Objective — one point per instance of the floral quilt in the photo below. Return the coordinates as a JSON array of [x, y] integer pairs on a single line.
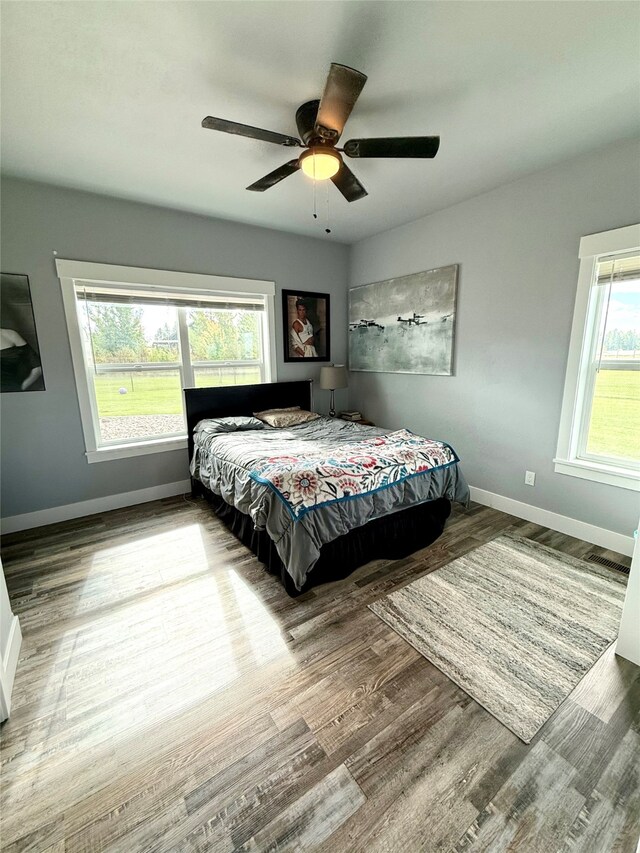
[[314, 479]]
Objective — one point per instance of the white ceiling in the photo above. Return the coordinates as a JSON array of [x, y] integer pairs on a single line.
[[109, 96]]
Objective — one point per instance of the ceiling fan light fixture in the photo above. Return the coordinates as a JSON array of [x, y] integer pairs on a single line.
[[320, 163]]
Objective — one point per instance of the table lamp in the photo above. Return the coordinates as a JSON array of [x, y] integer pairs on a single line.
[[331, 378]]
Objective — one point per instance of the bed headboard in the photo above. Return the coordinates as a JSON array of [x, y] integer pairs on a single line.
[[229, 400]]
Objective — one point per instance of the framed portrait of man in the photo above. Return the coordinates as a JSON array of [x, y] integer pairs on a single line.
[[306, 321]]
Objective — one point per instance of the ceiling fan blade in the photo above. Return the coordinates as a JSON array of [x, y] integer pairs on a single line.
[[275, 177], [348, 184], [234, 127], [341, 91], [397, 146]]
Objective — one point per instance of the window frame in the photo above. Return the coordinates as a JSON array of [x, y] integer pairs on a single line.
[[579, 384], [108, 275]]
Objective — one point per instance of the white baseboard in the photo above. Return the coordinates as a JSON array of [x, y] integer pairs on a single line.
[[8, 667], [91, 507], [562, 523]]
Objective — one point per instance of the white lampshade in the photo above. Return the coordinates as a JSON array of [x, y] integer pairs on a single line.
[[332, 377]]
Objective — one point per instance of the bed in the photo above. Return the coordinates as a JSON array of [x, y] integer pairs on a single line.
[[307, 539]]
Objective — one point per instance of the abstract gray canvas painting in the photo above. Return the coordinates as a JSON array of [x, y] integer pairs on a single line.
[[405, 324]]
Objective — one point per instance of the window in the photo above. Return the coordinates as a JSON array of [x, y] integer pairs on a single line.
[[138, 337], [600, 425]]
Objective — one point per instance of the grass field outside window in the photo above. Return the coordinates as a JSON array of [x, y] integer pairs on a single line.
[[146, 393], [615, 417], [141, 404]]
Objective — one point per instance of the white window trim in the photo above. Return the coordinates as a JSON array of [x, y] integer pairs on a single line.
[[566, 461], [69, 272]]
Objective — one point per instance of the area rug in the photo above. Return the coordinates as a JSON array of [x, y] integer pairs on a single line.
[[514, 623]]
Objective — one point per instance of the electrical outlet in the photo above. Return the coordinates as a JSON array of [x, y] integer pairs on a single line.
[[530, 478]]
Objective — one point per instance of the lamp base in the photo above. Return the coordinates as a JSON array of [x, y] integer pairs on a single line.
[[332, 406]]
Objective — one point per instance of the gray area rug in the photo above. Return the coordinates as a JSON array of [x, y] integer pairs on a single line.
[[514, 623]]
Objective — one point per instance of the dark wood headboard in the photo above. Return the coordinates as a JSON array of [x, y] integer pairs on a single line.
[[223, 402]]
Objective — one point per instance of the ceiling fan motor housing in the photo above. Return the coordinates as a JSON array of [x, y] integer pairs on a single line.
[[306, 115]]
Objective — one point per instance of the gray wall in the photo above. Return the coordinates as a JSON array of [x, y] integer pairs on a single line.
[[43, 462], [517, 247]]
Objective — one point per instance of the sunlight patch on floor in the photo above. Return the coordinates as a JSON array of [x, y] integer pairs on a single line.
[[173, 627]]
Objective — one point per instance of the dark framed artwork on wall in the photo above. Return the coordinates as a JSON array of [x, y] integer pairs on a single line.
[[306, 321], [20, 365]]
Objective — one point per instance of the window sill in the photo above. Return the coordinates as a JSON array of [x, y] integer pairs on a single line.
[[139, 448], [625, 478]]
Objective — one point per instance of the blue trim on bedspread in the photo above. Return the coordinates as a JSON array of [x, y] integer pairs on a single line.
[[353, 465]]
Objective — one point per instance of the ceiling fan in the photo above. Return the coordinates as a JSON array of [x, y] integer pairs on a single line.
[[320, 125]]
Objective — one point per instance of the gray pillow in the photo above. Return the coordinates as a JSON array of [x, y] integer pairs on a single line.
[[236, 423]]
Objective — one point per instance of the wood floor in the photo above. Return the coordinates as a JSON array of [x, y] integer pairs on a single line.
[[171, 697]]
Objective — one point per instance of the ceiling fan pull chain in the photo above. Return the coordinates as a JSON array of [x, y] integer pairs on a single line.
[[315, 206], [326, 189]]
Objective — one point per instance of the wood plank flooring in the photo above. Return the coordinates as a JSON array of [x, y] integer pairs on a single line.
[[171, 697]]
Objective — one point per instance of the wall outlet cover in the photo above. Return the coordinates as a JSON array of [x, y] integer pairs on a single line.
[[530, 478]]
